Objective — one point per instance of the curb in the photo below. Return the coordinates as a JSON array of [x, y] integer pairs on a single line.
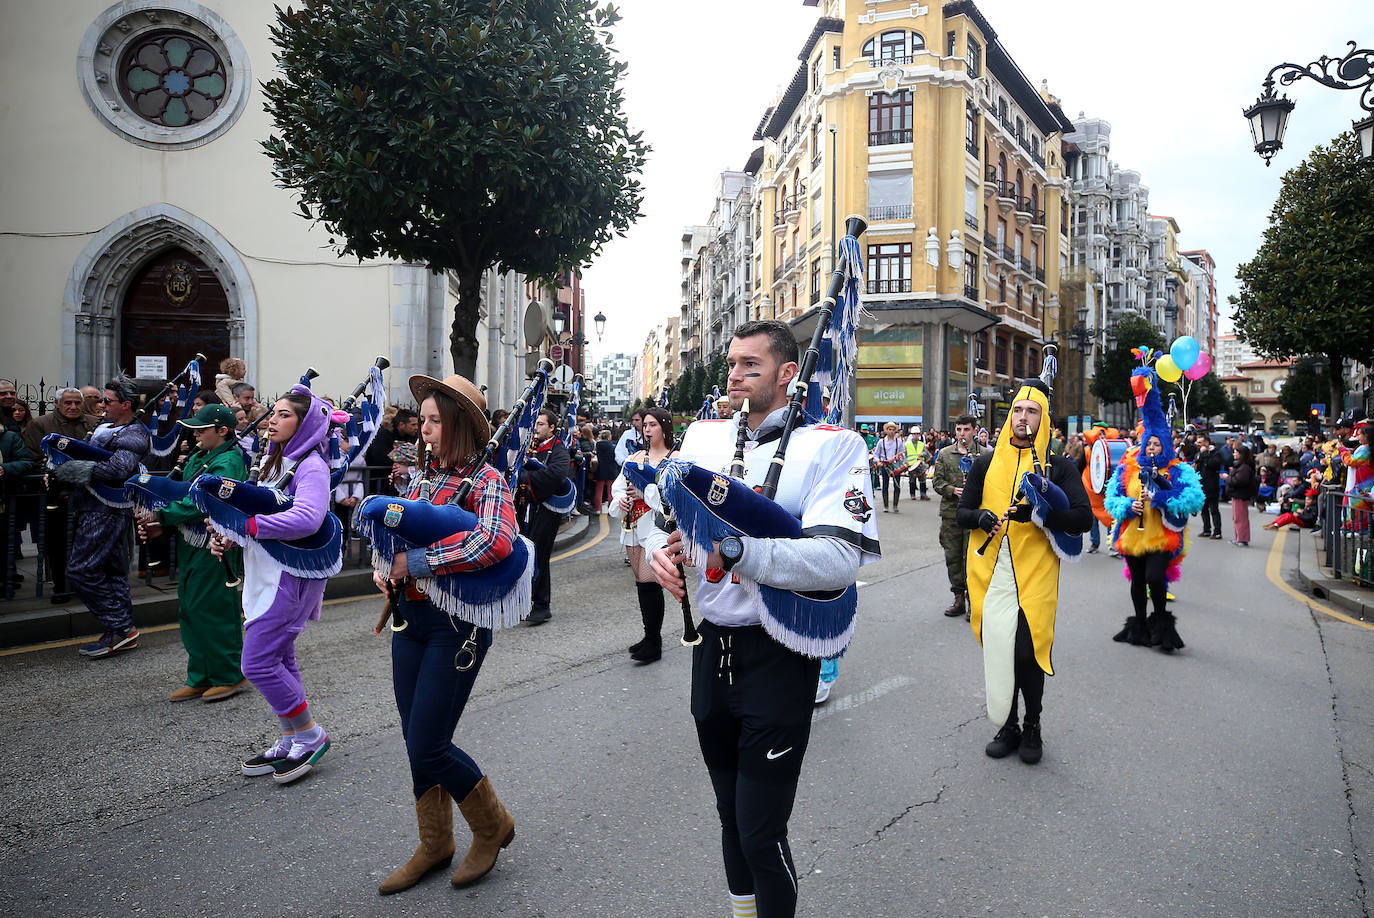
[[38, 626], [1317, 582]]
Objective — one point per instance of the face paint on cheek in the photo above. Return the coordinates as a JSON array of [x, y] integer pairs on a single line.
[[753, 375]]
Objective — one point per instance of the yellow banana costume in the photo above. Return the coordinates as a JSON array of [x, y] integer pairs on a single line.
[[1018, 573]]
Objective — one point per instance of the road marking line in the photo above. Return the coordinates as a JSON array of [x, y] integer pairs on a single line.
[[604, 531], [1271, 570], [849, 702], [55, 645]]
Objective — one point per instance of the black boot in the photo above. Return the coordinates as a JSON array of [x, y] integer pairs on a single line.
[[1164, 633], [1135, 631], [650, 648], [1006, 741], [1031, 747], [957, 607]]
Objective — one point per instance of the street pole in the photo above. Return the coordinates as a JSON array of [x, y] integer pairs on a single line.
[[834, 193]]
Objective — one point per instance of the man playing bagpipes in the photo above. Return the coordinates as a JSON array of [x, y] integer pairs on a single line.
[[1033, 517], [543, 478], [754, 673], [208, 609], [98, 569], [889, 458]]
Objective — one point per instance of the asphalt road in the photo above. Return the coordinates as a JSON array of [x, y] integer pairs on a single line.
[[1231, 779]]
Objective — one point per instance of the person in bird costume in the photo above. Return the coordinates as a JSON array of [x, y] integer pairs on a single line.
[[1151, 495], [1034, 516]]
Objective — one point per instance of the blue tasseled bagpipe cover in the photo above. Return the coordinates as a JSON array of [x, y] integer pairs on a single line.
[[60, 448], [709, 506], [153, 492], [491, 597], [229, 504]]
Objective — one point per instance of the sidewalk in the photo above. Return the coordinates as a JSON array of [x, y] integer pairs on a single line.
[[27, 619], [1318, 582]]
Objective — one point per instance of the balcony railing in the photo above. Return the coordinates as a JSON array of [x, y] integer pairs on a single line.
[[889, 212], [990, 174], [890, 286], [971, 292], [1024, 264], [884, 138], [990, 243], [971, 222], [777, 272], [1040, 274], [1007, 190], [1038, 217], [971, 145], [875, 62]]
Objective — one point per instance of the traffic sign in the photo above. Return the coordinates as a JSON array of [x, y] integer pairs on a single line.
[[556, 353], [1319, 407]]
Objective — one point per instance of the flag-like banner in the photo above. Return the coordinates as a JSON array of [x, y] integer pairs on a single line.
[[839, 348], [370, 412], [510, 459], [165, 444], [570, 420]]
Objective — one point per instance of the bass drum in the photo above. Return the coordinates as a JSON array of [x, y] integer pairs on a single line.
[[1106, 455]]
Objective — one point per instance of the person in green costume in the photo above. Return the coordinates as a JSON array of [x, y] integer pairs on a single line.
[[210, 612]]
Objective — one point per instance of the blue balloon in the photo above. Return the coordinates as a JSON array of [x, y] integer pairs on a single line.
[[1184, 350]]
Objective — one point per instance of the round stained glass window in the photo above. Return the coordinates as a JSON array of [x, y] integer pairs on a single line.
[[172, 78]]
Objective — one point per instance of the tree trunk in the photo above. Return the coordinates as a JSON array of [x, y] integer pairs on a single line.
[[463, 344], [1336, 367]]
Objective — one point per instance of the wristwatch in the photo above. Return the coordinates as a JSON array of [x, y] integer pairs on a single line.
[[731, 550]]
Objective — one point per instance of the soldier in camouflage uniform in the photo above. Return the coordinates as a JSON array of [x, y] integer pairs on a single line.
[[951, 466]]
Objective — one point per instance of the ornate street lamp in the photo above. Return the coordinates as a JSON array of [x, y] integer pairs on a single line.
[[1269, 115], [599, 320], [560, 322]]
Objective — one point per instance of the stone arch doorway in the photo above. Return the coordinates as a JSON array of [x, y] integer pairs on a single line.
[[174, 307], [105, 275]]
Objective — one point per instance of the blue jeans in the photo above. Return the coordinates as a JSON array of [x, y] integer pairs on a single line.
[[1095, 535], [431, 693]]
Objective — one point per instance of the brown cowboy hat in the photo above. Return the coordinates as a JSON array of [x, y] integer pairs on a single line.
[[469, 398]]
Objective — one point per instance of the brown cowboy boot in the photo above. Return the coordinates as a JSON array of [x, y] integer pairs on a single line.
[[434, 815], [492, 829]]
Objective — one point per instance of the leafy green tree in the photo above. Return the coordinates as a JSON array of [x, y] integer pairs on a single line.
[[1310, 287], [1307, 385], [457, 134], [1112, 374], [718, 373], [1239, 411]]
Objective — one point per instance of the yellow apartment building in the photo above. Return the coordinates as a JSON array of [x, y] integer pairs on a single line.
[[916, 117]]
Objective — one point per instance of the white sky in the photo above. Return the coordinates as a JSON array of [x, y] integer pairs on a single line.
[[1171, 78]]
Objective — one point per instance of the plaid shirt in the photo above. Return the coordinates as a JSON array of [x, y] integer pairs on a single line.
[[489, 543]]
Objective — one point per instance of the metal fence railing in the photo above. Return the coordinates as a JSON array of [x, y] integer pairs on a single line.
[[1345, 520]]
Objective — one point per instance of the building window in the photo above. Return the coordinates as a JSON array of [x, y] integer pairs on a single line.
[[889, 118], [1018, 361], [889, 268], [980, 351], [971, 127], [1002, 289], [949, 44], [889, 195], [164, 88], [1000, 356], [816, 75], [974, 58], [971, 275], [835, 57], [816, 281]]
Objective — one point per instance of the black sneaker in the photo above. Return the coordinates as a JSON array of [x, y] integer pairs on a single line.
[[298, 764], [1031, 747], [1005, 742], [110, 642], [539, 616], [264, 763]]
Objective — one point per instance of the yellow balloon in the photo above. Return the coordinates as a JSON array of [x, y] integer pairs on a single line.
[[1167, 369]]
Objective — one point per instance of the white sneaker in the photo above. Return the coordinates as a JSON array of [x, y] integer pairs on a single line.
[[822, 691]]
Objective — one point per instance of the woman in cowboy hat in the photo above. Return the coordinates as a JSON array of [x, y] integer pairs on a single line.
[[436, 658]]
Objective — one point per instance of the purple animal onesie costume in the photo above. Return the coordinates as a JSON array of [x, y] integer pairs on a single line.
[[277, 604]]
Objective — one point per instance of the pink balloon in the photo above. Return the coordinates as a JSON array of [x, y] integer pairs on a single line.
[[1200, 368]]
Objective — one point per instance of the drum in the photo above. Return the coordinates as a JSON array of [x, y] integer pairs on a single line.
[[1106, 455]]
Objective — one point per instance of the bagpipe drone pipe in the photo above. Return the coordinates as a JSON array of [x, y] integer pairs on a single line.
[[59, 449], [229, 504], [707, 506], [154, 492]]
